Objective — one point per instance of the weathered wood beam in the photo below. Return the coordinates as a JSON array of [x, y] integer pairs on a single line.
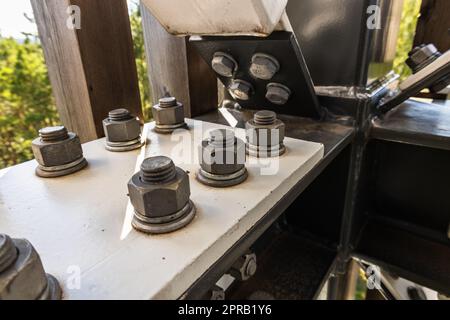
[[434, 24], [92, 69], [175, 68]]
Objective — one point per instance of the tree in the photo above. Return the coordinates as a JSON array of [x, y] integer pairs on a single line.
[[26, 101]]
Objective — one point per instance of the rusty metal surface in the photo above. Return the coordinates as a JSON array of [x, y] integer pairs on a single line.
[[329, 133], [418, 123]]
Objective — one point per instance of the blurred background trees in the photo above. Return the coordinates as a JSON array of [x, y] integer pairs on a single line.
[[27, 103]]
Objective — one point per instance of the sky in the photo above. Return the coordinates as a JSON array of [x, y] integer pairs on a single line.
[[13, 22]]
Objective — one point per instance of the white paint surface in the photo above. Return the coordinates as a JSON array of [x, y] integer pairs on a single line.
[[82, 220], [218, 17]]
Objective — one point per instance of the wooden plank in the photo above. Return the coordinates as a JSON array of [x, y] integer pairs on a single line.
[[92, 69], [434, 24], [65, 67], [175, 68]]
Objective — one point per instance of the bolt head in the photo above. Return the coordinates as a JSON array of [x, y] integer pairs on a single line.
[[223, 64], [26, 278], [264, 67], [160, 199], [50, 154], [222, 160], [168, 115], [245, 267], [241, 90], [121, 131], [278, 94]]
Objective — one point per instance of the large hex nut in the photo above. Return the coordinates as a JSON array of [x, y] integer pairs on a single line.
[[50, 154], [266, 136], [26, 278], [122, 131], [168, 115], [222, 160], [161, 199]]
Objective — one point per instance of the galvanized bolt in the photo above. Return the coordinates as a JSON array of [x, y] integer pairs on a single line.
[[58, 152], [168, 115], [119, 115], [264, 66], [168, 102], [122, 131], [241, 90], [265, 118], [22, 276], [53, 134], [157, 169], [160, 194], [265, 135], [224, 64], [222, 160], [244, 268], [278, 94]]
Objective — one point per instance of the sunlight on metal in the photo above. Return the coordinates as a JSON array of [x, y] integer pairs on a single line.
[[231, 120], [129, 213]]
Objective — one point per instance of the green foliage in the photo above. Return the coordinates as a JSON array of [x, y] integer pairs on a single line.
[[410, 15], [26, 101], [141, 62]]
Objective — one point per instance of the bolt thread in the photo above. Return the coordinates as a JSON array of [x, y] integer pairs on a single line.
[[119, 115], [52, 134], [222, 138], [168, 102], [157, 169], [265, 118], [8, 252]]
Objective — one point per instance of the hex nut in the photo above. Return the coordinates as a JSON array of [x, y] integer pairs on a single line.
[[57, 153], [170, 114], [278, 94], [224, 64], [265, 135], [422, 56], [245, 267], [160, 199], [241, 90], [222, 160], [264, 66], [26, 279], [122, 130]]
